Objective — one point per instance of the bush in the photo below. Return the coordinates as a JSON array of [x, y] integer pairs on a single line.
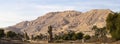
[[39, 37], [87, 37], [79, 35], [57, 37], [71, 35], [65, 37], [2, 34], [11, 34]]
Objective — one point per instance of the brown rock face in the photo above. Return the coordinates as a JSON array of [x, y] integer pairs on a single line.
[[63, 21]]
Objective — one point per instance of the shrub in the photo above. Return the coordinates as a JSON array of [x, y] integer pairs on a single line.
[[79, 35], [11, 34], [39, 37], [87, 37], [71, 35]]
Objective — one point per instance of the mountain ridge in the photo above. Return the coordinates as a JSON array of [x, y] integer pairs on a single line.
[[63, 21]]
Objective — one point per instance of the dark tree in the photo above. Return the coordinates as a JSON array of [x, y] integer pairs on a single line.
[[2, 34], [50, 33], [87, 37], [11, 34], [79, 35], [113, 25], [39, 37], [71, 35], [99, 32]]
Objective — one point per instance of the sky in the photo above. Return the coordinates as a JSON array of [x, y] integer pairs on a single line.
[[15, 11]]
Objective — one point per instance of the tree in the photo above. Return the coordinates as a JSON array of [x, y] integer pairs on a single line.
[[103, 32], [2, 34], [69, 36], [79, 35], [113, 25], [95, 28], [11, 34], [65, 37], [38, 37], [99, 32], [19, 36], [87, 37], [57, 37], [50, 33]]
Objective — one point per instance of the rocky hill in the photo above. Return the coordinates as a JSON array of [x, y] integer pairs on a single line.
[[64, 21]]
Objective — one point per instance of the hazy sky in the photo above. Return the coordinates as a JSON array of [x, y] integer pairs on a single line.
[[14, 11]]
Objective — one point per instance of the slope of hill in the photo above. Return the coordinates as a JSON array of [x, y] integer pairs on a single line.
[[64, 21]]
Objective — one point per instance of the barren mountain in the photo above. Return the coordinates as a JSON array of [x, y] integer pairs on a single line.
[[64, 21]]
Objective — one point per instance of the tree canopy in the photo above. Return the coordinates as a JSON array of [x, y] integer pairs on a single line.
[[113, 25], [11, 34], [2, 34]]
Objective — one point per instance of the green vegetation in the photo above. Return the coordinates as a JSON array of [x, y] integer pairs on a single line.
[[79, 35], [87, 37], [39, 37], [71, 35], [50, 33], [11, 34], [113, 25], [56, 37], [2, 34], [99, 32]]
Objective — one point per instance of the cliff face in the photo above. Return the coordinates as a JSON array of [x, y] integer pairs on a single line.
[[64, 21]]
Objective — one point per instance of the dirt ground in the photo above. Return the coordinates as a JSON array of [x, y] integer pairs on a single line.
[[45, 42]]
